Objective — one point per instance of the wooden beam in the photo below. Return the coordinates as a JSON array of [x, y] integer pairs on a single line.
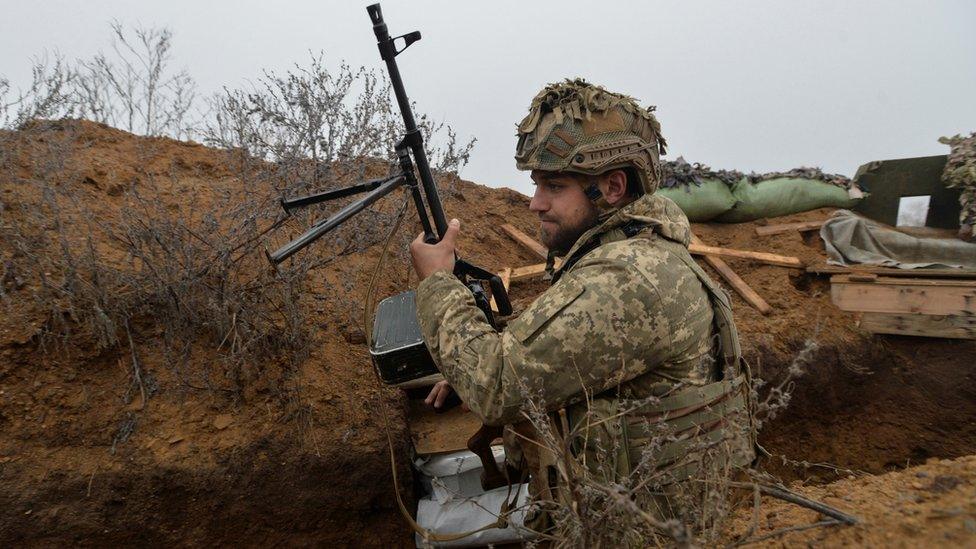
[[904, 296], [886, 271], [531, 271], [526, 240], [904, 281], [789, 227], [734, 280], [948, 326], [762, 257]]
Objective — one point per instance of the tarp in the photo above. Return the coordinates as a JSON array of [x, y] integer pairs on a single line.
[[455, 475], [466, 514], [852, 240]]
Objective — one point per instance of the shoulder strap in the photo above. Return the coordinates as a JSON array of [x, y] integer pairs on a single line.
[[722, 308]]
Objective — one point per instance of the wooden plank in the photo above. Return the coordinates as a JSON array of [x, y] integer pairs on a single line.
[[762, 257], [948, 326], [904, 296], [902, 281], [531, 271], [506, 276], [734, 280], [789, 227], [886, 271], [526, 240]]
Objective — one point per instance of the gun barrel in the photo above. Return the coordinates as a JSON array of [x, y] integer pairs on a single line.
[[414, 139]]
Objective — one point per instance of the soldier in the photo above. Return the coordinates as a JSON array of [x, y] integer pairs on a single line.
[[960, 173], [631, 332]]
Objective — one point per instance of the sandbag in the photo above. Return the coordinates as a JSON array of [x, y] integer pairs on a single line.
[[782, 196], [701, 202]]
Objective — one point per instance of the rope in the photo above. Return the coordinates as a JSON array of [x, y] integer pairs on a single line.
[[370, 301]]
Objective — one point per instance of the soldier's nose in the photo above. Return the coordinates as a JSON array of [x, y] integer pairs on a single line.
[[538, 204]]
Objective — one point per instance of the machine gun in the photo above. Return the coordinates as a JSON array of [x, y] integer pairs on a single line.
[[397, 349]]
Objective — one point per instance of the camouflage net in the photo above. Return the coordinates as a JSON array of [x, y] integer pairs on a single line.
[[815, 174], [583, 128], [960, 170], [960, 173], [681, 172]]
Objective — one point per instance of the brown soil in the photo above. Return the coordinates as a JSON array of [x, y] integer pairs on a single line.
[[867, 403], [930, 505], [204, 466]]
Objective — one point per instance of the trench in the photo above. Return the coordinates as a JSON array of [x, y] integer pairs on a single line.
[[874, 405], [867, 404]]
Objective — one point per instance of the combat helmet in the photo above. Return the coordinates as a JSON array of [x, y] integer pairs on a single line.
[[579, 127]]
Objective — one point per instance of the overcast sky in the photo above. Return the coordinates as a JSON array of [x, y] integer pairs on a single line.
[[751, 85]]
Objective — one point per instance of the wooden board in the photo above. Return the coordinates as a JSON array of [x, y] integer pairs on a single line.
[[522, 273], [531, 271], [762, 257], [789, 227], [734, 280], [948, 326], [433, 433], [905, 281], [904, 296], [886, 271], [526, 241]]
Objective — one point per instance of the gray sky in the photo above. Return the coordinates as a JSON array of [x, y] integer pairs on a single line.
[[751, 85]]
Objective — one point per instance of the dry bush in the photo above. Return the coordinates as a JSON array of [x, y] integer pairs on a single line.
[[49, 94], [197, 275], [133, 89], [188, 277], [313, 129], [323, 127]]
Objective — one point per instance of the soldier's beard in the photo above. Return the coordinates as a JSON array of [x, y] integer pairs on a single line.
[[560, 235]]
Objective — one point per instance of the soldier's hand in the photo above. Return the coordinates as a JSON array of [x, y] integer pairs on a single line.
[[430, 258], [438, 394]]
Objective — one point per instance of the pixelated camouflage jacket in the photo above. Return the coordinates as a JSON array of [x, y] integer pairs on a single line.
[[627, 315]]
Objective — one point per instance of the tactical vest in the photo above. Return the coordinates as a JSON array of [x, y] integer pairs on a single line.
[[676, 428]]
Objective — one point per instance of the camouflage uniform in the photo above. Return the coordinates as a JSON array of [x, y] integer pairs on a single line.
[[633, 341], [628, 314], [960, 173], [626, 320]]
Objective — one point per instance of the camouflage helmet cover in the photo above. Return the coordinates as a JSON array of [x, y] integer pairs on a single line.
[[579, 127]]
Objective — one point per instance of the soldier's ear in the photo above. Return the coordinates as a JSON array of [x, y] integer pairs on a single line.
[[614, 186]]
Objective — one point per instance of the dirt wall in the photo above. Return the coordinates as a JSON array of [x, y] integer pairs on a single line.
[[270, 453]]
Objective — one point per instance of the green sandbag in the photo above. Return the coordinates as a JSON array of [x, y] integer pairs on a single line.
[[783, 196], [701, 202]]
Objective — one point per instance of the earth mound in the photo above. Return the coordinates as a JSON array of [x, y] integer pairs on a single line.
[[133, 443]]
